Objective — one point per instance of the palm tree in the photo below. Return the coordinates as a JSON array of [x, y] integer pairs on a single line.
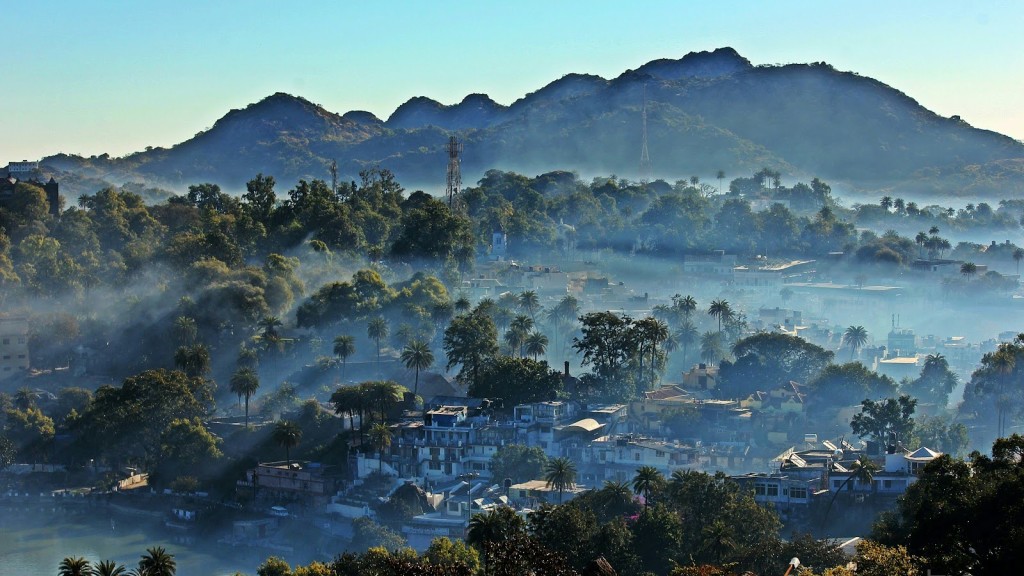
[[344, 346], [287, 435], [185, 330], [269, 325], [530, 302], [377, 330], [560, 474], [687, 305], [503, 317], [1003, 361], [245, 382], [157, 562], [462, 305], [417, 355], [1018, 255], [968, 269], [536, 344], [855, 337], [515, 339], [721, 310], [886, 203], [694, 180], [687, 336], [646, 481], [74, 566], [108, 568], [380, 438], [711, 347], [920, 240], [862, 471], [519, 330]]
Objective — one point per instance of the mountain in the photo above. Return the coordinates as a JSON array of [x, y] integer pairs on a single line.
[[706, 111]]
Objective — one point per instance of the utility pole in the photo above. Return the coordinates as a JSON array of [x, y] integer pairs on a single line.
[[646, 171]]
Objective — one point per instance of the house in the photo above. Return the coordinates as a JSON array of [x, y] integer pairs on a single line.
[[788, 495], [547, 280], [714, 263], [533, 493], [899, 470], [771, 276], [13, 346], [617, 457], [291, 481], [701, 377]]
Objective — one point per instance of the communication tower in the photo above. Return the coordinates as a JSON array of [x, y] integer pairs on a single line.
[[454, 171], [646, 171], [334, 176]]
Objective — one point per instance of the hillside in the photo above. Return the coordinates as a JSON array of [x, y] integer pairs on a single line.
[[707, 111]]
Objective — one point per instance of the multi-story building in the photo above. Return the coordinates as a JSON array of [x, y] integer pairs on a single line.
[[14, 358], [306, 482]]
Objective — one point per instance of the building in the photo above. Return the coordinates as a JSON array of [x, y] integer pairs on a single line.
[[22, 169], [307, 482], [14, 358], [902, 342], [715, 263], [772, 276]]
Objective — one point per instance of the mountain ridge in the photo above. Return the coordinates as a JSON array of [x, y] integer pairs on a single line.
[[707, 111]]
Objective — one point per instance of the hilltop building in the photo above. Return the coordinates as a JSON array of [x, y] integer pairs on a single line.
[[26, 172], [14, 358]]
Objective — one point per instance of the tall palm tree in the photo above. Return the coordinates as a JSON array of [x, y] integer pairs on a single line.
[[462, 305], [721, 310], [1003, 361], [380, 438], [377, 330], [536, 344], [968, 270], [1018, 255], [109, 568], [514, 339], [519, 330], [157, 562], [711, 347], [269, 326], [855, 337], [344, 347], [503, 317], [886, 203], [646, 481], [862, 471], [417, 355], [560, 474], [530, 302], [687, 305], [74, 566], [185, 330], [245, 382], [287, 435], [687, 336]]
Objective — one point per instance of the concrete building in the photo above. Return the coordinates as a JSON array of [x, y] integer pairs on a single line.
[[14, 358], [715, 263]]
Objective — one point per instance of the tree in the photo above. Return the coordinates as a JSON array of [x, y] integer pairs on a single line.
[[886, 421], [497, 525], [517, 381], [767, 360], [530, 303], [968, 270], [287, 435], [935, 382], [157, 562], [377, 330], [469, 341], [560, 474], [344, 347], [721, 176], [108, 568], [193, 360], [380, 438], [1018, 255], [536, 344], [452, 555], [185, 330], [963, 517], [245, 383], [711, 348], [8, 452], [647, 482], [74, 566], [720, 310], [518, 462], [855, 337], [861, 472], [417, 355]]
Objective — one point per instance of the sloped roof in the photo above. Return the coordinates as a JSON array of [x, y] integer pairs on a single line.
[[585, 425], [923, 453]]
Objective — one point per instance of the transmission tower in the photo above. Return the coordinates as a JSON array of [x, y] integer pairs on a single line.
[[334, 176], [454, 172], [646, 171]]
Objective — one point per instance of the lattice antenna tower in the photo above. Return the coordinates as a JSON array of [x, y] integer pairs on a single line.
[[334, 176], [646, 171], [454, 170]]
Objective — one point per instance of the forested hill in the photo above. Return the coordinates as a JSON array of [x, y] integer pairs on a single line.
[[707, 111]]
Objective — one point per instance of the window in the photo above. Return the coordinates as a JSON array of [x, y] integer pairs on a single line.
[[435, 465], [798, 493], [21, 340], [759, 489], [659, 454], [887, 484], [773, 489], [636, 456], [7, 341]]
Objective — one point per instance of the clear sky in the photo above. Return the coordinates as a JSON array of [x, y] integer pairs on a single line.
[[90, 77]]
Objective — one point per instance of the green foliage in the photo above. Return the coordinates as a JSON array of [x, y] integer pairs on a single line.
[[848, 384], [470, 340], [886, 421], [516, 381], [452, 555], [368, 534], [518, 462], [767, 360]]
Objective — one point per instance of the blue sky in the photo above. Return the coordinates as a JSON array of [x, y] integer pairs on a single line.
[[117, 76]]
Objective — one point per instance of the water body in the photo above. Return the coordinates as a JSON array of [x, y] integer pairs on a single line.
[[34, 540]]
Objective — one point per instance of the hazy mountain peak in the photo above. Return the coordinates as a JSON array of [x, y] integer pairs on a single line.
[[719, 62], [361, 117]]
